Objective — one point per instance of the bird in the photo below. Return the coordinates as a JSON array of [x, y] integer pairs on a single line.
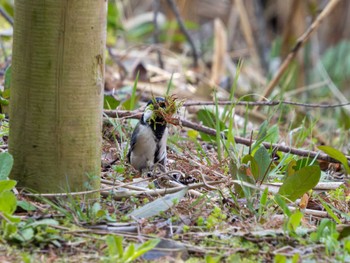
[[149, 139]]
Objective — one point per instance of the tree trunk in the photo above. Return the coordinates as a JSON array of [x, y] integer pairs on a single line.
[[57, 94]]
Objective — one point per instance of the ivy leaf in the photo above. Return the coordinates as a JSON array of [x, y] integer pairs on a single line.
[[300, 182]]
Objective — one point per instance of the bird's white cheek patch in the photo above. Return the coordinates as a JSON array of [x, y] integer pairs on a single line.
[[147, 115]]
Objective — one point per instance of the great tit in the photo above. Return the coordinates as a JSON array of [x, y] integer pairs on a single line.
[[149, 139]]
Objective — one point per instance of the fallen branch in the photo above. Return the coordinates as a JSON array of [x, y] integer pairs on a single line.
[[118, 195], [247, 142]]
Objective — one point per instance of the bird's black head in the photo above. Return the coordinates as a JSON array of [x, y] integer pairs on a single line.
[[155, 121], [157, 102]]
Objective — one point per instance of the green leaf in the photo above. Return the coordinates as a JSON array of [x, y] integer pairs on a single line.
[[263, 201], [262, 131], [296, 258], [279, 200], [303, 163], [96, 207], [113, 17], [294, 220], [140, 31], [7, 83], [345, 232], [6, 163], [128, 253], [110, 102], [266, 135], [8, 229], [12, 218], [243, 176], [26, 205], [254, 166], [329, 211], [208, 119], [272, 134], [159, 205], [338, 155], [9, 7], [280, 259], [211, 259], [300, 182], [326, 228], [115, 245], [170, 85], [133, 93], [291, 168], [43, 222], [344, 119], [25, 235], [8, 202], [7, 185], [263, 161], [3, 101], [145, 247]]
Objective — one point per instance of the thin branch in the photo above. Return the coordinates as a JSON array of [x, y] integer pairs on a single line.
[[264, 103], [137, 113], [239, 140], [299, 44], [183, 29]]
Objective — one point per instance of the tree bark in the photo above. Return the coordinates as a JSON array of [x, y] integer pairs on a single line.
[[57, 94]]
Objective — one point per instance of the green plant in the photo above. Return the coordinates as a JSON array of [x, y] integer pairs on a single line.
[[118, 254], [299, 182], [327, 234], [215, 218], [12, 227], [8, 200], [78, 212]]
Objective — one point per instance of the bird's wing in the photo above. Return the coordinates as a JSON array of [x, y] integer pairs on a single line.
[[133, 141]]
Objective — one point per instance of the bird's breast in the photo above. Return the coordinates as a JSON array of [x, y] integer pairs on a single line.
[[144, 148]]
